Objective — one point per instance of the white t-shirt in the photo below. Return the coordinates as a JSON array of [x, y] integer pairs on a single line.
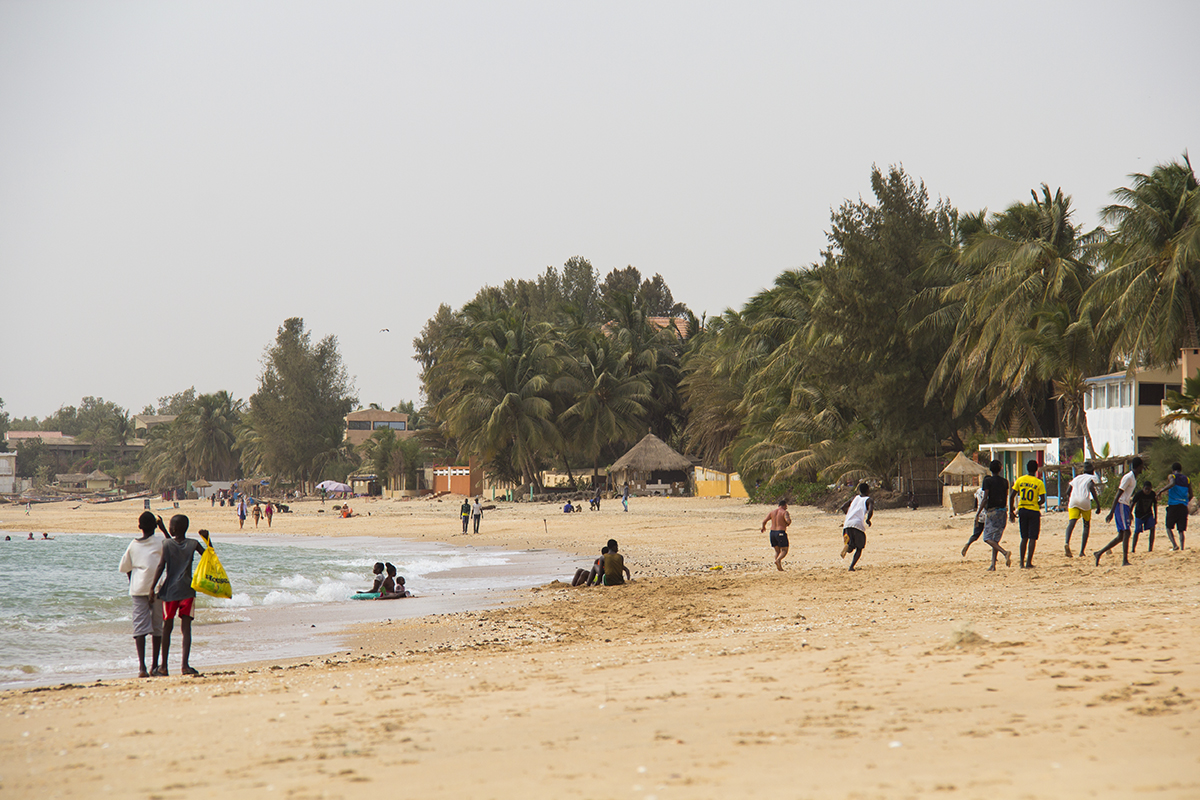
[[1126, 489], [856, 515], [1081, 494], [141, 561]]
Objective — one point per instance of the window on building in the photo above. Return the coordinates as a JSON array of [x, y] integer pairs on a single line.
[[358, 425], [1110, 391], [396, 426], [1173, 387], [1151, 394], [1126, 392]]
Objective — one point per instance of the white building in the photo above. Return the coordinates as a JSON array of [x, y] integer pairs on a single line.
[[8, 473], [1123, 409]]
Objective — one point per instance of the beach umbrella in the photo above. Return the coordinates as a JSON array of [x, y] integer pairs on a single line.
[[964, 467], [333, 486]]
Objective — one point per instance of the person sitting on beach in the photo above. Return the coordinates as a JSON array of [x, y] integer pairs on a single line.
[[346, 512], [586, 578], [379, 579], [397, 589], [177, 594], [568, 508], [614, 566]]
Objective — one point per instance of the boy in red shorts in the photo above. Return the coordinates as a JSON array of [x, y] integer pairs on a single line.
[[177, 593]]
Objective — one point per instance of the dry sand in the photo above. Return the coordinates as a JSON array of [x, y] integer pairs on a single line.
[[919, 675]]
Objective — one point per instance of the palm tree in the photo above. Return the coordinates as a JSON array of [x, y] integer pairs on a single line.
[[500, 401], [609, 405], [1028, 260], [209, 430], [1150, 295]]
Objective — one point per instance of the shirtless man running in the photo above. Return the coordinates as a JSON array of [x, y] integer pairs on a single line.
[[779, 519]]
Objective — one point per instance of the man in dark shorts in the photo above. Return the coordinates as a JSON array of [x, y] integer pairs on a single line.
[[178, 596], [859, 510], [779, 519], [1179, 494], [1025, 502]]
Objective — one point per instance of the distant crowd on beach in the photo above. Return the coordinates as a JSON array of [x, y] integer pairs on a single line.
[[1134, 511]]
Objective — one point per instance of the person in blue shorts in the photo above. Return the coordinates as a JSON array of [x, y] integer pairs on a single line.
[[1145, 516], [1122, 511]]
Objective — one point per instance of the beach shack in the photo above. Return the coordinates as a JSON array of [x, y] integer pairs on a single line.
[[652, 467], [97, 481]]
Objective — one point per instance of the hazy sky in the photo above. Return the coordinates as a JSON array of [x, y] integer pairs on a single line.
[[178, 178]]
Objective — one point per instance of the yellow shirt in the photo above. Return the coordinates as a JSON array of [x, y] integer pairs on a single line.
[[1029, 491]]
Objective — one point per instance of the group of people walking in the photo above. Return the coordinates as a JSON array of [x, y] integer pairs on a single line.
[[1134, 508]]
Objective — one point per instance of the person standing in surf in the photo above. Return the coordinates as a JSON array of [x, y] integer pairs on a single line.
[[177, 594], [140, 565]]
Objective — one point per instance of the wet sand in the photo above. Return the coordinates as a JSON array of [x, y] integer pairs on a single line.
[[919, 675]]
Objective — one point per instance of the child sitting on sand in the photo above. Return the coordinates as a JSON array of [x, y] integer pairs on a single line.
[[379, 578], [585, 578]]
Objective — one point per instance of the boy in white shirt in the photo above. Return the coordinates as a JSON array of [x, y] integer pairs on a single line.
[[140, 564], [859, 510], [1079, 506], [1123, 512]]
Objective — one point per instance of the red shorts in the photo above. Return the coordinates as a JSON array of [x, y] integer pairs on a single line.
[[182, 607]]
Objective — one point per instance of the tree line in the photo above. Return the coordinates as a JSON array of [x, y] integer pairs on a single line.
[[920, 328]]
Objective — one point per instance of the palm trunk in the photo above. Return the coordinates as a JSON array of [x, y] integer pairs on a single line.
[[1087, 433], [1029, 415]]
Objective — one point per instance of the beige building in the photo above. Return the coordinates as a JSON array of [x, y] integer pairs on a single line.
[[361, 424]]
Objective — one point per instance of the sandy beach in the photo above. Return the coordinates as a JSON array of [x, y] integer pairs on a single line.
[[710, 675]]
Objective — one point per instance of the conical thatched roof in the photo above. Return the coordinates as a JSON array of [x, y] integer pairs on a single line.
[[961, 465], [201, 483], [651, 454]]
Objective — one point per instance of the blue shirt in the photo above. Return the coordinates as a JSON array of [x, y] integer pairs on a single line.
[[1177, 495]]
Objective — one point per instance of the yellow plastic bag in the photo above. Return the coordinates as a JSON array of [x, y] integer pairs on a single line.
[[210, 576]]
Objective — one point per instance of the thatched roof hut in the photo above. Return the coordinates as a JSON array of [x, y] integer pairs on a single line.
[[652, 464]]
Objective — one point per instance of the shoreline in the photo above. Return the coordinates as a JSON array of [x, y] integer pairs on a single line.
[[920, 675]]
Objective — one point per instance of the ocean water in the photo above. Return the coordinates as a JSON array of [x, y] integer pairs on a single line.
[[65, 609]]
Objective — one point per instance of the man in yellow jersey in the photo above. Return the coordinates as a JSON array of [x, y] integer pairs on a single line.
[[1025, 500]]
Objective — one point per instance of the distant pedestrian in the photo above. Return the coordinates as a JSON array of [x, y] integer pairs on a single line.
[[1025, 503], [1122, 511], [256, 512], [995, 491], [269, 512], [625, 496], [1179, 495], [476, 513], [465, 513], [241, 512]]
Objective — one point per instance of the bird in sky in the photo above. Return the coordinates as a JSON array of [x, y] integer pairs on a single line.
[[385, 330]]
